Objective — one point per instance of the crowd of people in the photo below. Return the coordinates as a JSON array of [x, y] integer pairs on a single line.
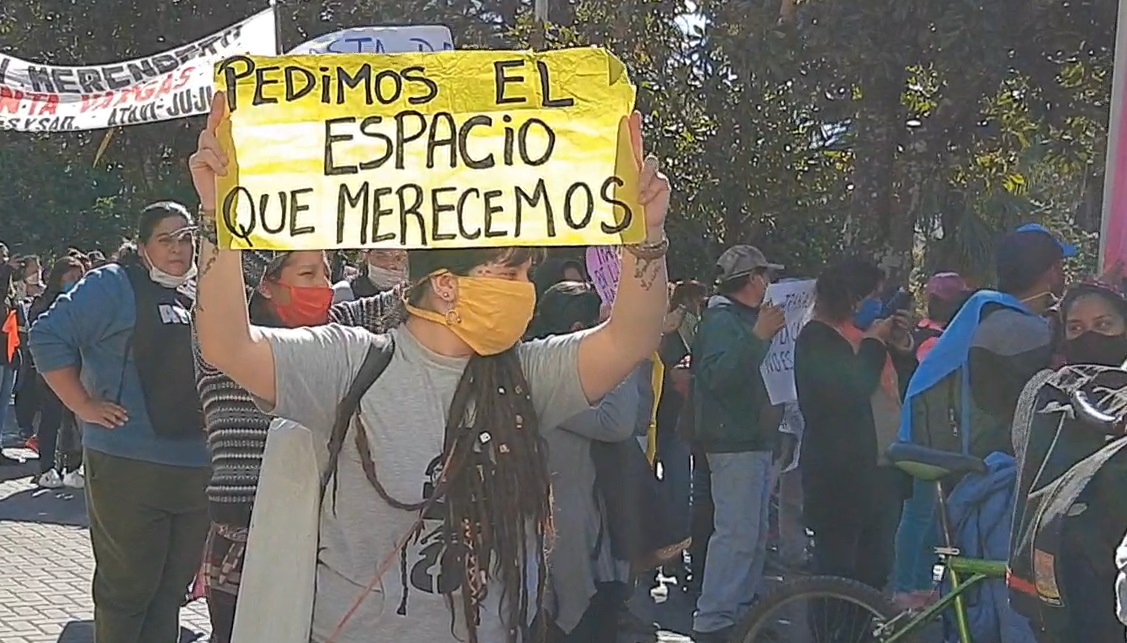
[[476, 418]]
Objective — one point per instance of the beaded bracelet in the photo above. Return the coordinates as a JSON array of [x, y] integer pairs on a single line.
[[649, 250]]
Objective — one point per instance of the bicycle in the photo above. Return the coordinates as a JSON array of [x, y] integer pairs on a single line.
[[769, 620]]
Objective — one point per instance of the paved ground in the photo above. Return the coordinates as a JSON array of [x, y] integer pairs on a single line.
[[46, 565]]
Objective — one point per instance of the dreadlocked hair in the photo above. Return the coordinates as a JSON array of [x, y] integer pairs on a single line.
[[495, 484]]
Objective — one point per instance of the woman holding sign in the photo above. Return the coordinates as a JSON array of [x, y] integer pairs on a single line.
[[437, 518]]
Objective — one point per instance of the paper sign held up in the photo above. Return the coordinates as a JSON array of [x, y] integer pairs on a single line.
[[427, 150]]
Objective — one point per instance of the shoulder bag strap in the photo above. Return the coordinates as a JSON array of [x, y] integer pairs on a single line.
[[374, 364]]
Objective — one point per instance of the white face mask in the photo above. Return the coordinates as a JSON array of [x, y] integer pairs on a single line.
[[384, 278], [33, 279], [166, 280]]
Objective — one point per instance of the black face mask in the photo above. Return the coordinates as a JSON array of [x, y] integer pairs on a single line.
[[1095, 348]]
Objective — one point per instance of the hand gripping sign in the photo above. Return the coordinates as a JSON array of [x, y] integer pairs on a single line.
[[427, 150]]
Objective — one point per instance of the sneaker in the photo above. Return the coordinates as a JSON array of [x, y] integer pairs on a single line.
[[32, 443], [50, 480], [74, 479], [719, 636]]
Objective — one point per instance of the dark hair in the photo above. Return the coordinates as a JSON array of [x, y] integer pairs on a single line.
[[686, 292], [154, 213], [942, 311], [551, 272], [259, 310], [1080, 291], [563, 306], [493, 489], [54, 285], [842, 284], [126, 252], [736, 284]]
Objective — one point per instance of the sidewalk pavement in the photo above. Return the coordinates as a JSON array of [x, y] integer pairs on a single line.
[[46, 564]]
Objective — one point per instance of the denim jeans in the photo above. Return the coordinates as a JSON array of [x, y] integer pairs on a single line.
[[7, 382], [676, 474], [733, 571], [916, 539]]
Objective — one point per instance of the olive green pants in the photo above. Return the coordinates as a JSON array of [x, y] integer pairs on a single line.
[[148, 524]]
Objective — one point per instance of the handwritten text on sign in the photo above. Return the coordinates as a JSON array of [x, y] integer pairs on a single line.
[[604, 265], [439, 150], [379, 40], [797, 300]]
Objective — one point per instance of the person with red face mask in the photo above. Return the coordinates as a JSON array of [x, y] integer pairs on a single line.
[[293, 290]]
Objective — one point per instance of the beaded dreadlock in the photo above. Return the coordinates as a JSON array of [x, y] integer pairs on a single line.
[[495, 485]]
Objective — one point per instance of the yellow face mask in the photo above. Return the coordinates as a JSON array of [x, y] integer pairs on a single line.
[[490, 315]]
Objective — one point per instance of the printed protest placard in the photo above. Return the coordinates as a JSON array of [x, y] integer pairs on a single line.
[[172, 84], [797, 300], [604, 265], [379, 40], [427, 150]]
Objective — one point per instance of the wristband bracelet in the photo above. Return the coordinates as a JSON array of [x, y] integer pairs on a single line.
[[649, 250], [207, 228]]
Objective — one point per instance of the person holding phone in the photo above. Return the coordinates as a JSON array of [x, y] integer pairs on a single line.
[[737, 428]]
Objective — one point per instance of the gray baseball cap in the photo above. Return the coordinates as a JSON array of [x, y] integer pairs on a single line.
[[741, 260]]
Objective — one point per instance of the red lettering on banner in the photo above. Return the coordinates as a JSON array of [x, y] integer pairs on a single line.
[[10, 100], [48, 104], [13, 100]]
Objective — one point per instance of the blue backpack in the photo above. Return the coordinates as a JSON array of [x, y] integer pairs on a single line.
[[981, 512]]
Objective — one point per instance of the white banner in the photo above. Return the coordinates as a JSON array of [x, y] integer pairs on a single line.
[[379, 40], [797, 300], [165, 86]]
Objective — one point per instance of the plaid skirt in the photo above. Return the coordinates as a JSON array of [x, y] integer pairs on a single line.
[[223, 558]]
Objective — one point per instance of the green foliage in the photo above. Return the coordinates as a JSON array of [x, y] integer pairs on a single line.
[[912, 130]]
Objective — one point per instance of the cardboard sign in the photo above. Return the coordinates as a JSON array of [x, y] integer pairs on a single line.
[[797, 300], [604, 265], [165, 86], [379, 40], [428, 150]]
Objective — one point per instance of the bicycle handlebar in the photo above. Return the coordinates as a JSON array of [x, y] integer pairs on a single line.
[[1088, 414]]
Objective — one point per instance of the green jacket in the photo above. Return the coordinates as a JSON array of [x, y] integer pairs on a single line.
[[734, 414]]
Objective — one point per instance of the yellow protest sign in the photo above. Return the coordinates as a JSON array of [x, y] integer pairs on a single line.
[[427, 150]]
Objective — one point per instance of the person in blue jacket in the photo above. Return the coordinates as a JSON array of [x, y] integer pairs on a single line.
[[117, 350]]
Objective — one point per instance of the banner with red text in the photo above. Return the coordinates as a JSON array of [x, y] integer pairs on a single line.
[[165, 86]]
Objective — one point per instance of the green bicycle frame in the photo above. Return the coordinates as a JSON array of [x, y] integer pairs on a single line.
[[975, 571]]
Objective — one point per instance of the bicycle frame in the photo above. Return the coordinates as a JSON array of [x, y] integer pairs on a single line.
[[956, 567]]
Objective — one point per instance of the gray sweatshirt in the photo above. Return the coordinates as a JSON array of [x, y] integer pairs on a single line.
[[578, 515]]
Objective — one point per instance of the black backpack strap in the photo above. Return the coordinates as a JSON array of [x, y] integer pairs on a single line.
[[374, 364]]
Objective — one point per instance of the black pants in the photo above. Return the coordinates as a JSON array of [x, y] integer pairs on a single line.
[[50, 421], [862, 544], [700, 527], [29, 395], [148, 524], [600, 622]]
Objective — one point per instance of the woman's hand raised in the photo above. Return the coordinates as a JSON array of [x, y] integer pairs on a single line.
[[209, 161]]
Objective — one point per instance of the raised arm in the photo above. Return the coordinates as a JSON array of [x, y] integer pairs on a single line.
[[609, 353], [227, 340]]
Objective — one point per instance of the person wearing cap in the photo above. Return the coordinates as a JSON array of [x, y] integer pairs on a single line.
[[737, 428], [946, 293], [1011, 345]]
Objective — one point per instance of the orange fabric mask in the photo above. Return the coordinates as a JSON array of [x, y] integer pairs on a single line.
[[490, 315]]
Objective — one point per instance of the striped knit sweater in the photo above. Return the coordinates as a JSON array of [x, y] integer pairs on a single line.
[[236, 429]]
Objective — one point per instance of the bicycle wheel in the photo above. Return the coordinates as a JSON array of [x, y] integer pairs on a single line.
[[819, 609]]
